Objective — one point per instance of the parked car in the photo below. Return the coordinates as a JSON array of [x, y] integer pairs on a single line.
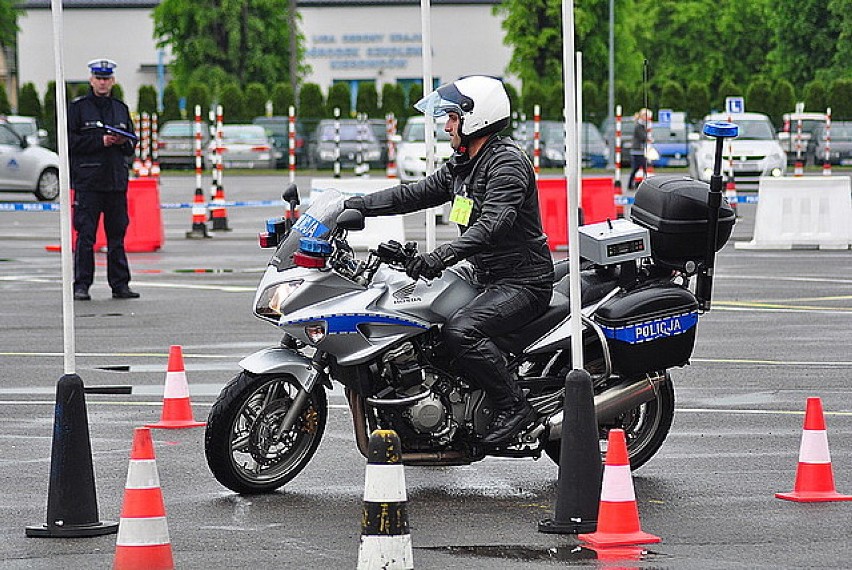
[[672, 143], [380, 129], [411, 148], [840, 152], [244, 146], [28, 128], [789, 136], [552, 144], [176, 144], [278, 129], [355, 137], [628, 124], [26, 167], [755, 151]]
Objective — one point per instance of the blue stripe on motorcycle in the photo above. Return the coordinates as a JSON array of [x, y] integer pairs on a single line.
[[652, 330], [310, 227], [348, 324]]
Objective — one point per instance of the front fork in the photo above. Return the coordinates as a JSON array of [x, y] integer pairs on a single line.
[[318, 364]]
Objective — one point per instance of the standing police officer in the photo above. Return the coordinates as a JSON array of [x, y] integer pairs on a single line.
[[99, 179]]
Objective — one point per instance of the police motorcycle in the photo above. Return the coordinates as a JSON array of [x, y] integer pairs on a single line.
[[365, 324]]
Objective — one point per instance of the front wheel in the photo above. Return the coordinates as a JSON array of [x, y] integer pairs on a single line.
[[241, 444], [645, 428], [47, 187]]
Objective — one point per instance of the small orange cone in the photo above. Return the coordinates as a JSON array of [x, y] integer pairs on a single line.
[[177, 409], [143, 533], [814, 477], [618, 516]]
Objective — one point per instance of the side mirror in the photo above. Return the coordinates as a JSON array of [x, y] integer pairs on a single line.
[[694, 137], [352, 220], [783, 136], [291, 195]]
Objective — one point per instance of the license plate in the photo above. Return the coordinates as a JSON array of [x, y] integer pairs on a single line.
[[677, 162]]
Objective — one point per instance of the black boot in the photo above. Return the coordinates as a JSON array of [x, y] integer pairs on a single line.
[[510, 422]]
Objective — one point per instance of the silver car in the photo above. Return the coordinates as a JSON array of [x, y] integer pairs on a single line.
[[754, 153], [26, 167], [244, 146], [411, 148]]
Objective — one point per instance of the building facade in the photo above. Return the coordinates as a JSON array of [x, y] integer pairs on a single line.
[[346, 40]]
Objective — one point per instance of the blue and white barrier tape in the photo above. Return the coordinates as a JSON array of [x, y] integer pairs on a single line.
[[54, 207]]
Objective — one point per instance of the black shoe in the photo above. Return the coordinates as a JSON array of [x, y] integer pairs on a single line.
[[509, 423], [81, 294], [126, 293]]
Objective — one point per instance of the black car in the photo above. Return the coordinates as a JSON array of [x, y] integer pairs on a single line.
[[278, 129], [840, 150]]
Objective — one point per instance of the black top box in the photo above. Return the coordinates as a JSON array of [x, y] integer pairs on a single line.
[[674, 209]]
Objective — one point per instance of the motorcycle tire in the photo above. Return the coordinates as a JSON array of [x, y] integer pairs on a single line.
[[645, 427], [239, 444]]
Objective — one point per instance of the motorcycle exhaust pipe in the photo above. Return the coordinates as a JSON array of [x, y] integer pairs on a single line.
[[613, 402]]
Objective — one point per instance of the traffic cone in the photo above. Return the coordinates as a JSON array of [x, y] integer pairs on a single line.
[[177, 409], [143, 533], [385, 537], [814, 476], [199, 217], [826, 168], [731, 193], [218, 212], [72, 504], [618, 516], [798, 169]]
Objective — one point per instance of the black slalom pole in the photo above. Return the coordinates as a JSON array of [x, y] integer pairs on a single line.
[[580, 471], [72, 506]]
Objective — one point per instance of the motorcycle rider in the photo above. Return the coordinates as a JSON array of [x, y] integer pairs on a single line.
[[491, 184]]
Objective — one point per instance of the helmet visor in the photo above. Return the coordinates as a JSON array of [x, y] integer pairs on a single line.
[[443, 100]]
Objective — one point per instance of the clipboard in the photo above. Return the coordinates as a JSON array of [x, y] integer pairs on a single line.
[[116, 131]]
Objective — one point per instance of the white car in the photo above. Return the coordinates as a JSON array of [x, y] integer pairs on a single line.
[[754, 153], [28, 128], [26, 167], [411, 148]]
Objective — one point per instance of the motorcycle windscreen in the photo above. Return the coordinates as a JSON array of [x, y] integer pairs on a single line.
[[318, 221]]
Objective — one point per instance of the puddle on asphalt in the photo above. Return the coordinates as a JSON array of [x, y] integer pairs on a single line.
[[556, 554]]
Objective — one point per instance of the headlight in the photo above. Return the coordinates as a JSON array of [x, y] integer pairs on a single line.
[[374, 154], [554, 154], [315, 332], [326, 154], [270, 301]]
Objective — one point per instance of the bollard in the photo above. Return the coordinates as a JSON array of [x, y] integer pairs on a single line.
[[580, 473]]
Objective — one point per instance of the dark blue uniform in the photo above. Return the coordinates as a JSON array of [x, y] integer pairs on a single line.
[[99, 178]]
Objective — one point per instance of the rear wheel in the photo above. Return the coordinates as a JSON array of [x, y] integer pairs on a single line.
[[241, 443], [47, 187], [645, 428]]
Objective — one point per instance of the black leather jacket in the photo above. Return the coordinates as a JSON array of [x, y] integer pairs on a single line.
[[503, 239], [94, 167]]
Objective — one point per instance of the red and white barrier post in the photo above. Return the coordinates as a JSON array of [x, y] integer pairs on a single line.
[[291, 143], [799, 169], [390, 126], [537, 140], [826, 165], [337, 142], [199, 208], [218, 212]]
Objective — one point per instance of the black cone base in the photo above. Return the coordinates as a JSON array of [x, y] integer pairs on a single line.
[[72, 506], [580, 470]]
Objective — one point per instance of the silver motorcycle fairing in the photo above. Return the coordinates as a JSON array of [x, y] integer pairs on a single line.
[[279, 360]]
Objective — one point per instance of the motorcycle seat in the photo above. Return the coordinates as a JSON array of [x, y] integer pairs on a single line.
[[594, 285]]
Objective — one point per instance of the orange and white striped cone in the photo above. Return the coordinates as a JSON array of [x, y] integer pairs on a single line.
[[137, 166], [143, 533], [798, 169], [731, 193], [814, 476], [199, 217], [177, 409], [618, 515], [218, 211], [826, 168]]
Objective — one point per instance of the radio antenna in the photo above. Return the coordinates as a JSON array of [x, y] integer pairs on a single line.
[[645, 106]]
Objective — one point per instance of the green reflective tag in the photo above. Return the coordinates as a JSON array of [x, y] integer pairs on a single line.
[[462, 208]]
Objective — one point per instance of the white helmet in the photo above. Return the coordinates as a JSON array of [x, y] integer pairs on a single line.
[[480, 101]]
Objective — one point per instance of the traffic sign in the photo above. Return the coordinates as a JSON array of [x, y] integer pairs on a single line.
[[734, 105], [665, 116]]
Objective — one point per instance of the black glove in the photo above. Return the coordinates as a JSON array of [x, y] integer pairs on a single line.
[[355, 203], [430, 265]]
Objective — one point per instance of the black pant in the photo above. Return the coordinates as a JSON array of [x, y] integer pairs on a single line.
[[498, 310], [88, 207], [638, 161]]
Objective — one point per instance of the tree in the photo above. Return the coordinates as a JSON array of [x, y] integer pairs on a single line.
[[28, 101], [117, 92], [282, 98], [368, 99], [5, 105], [49, 114], [727, 88], [783, 101], [594, 103], [197, 94], [232, 100], [815, 95], [8, 22], [393, 101], [758, 96], [339, 97], [311, 102], [171, 103], [514, 97], [147, 101], [697, 100], [413, 95], [840, 99], [532, 94], [247, 39], [672, 96], [255, 100]]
